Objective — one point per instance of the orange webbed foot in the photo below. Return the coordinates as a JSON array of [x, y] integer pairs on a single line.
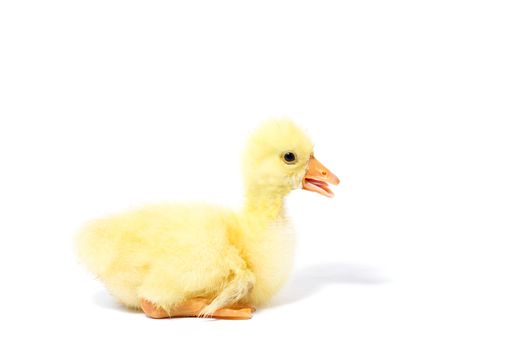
[[193, 308]]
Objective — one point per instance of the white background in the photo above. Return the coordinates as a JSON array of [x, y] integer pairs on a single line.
[[417, 106]]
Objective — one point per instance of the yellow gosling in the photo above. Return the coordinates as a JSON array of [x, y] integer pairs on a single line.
[[176, 260]]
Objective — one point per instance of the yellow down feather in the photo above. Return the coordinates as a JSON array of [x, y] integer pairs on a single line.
[[169, 253]]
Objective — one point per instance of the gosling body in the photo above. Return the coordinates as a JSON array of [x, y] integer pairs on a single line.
[[205, 260]]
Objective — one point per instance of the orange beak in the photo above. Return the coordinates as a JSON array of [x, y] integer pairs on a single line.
[[318, 177]]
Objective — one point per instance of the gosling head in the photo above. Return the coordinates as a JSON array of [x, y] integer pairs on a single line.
[[279, 158]]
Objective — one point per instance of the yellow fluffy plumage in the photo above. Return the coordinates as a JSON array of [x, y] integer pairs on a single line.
[[170, 253]]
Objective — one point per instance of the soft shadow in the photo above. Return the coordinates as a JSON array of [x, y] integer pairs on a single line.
[[307, 281], [304, 283], [106, 301]]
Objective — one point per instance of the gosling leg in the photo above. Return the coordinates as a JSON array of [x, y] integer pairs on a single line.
[[193, 307]]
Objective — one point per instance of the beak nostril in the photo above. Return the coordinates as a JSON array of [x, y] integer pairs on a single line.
[[324, 173]]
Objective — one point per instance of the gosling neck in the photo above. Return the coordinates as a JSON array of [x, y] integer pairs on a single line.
[[265, 205]]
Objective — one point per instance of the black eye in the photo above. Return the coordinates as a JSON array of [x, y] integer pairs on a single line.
[[289, 157]]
